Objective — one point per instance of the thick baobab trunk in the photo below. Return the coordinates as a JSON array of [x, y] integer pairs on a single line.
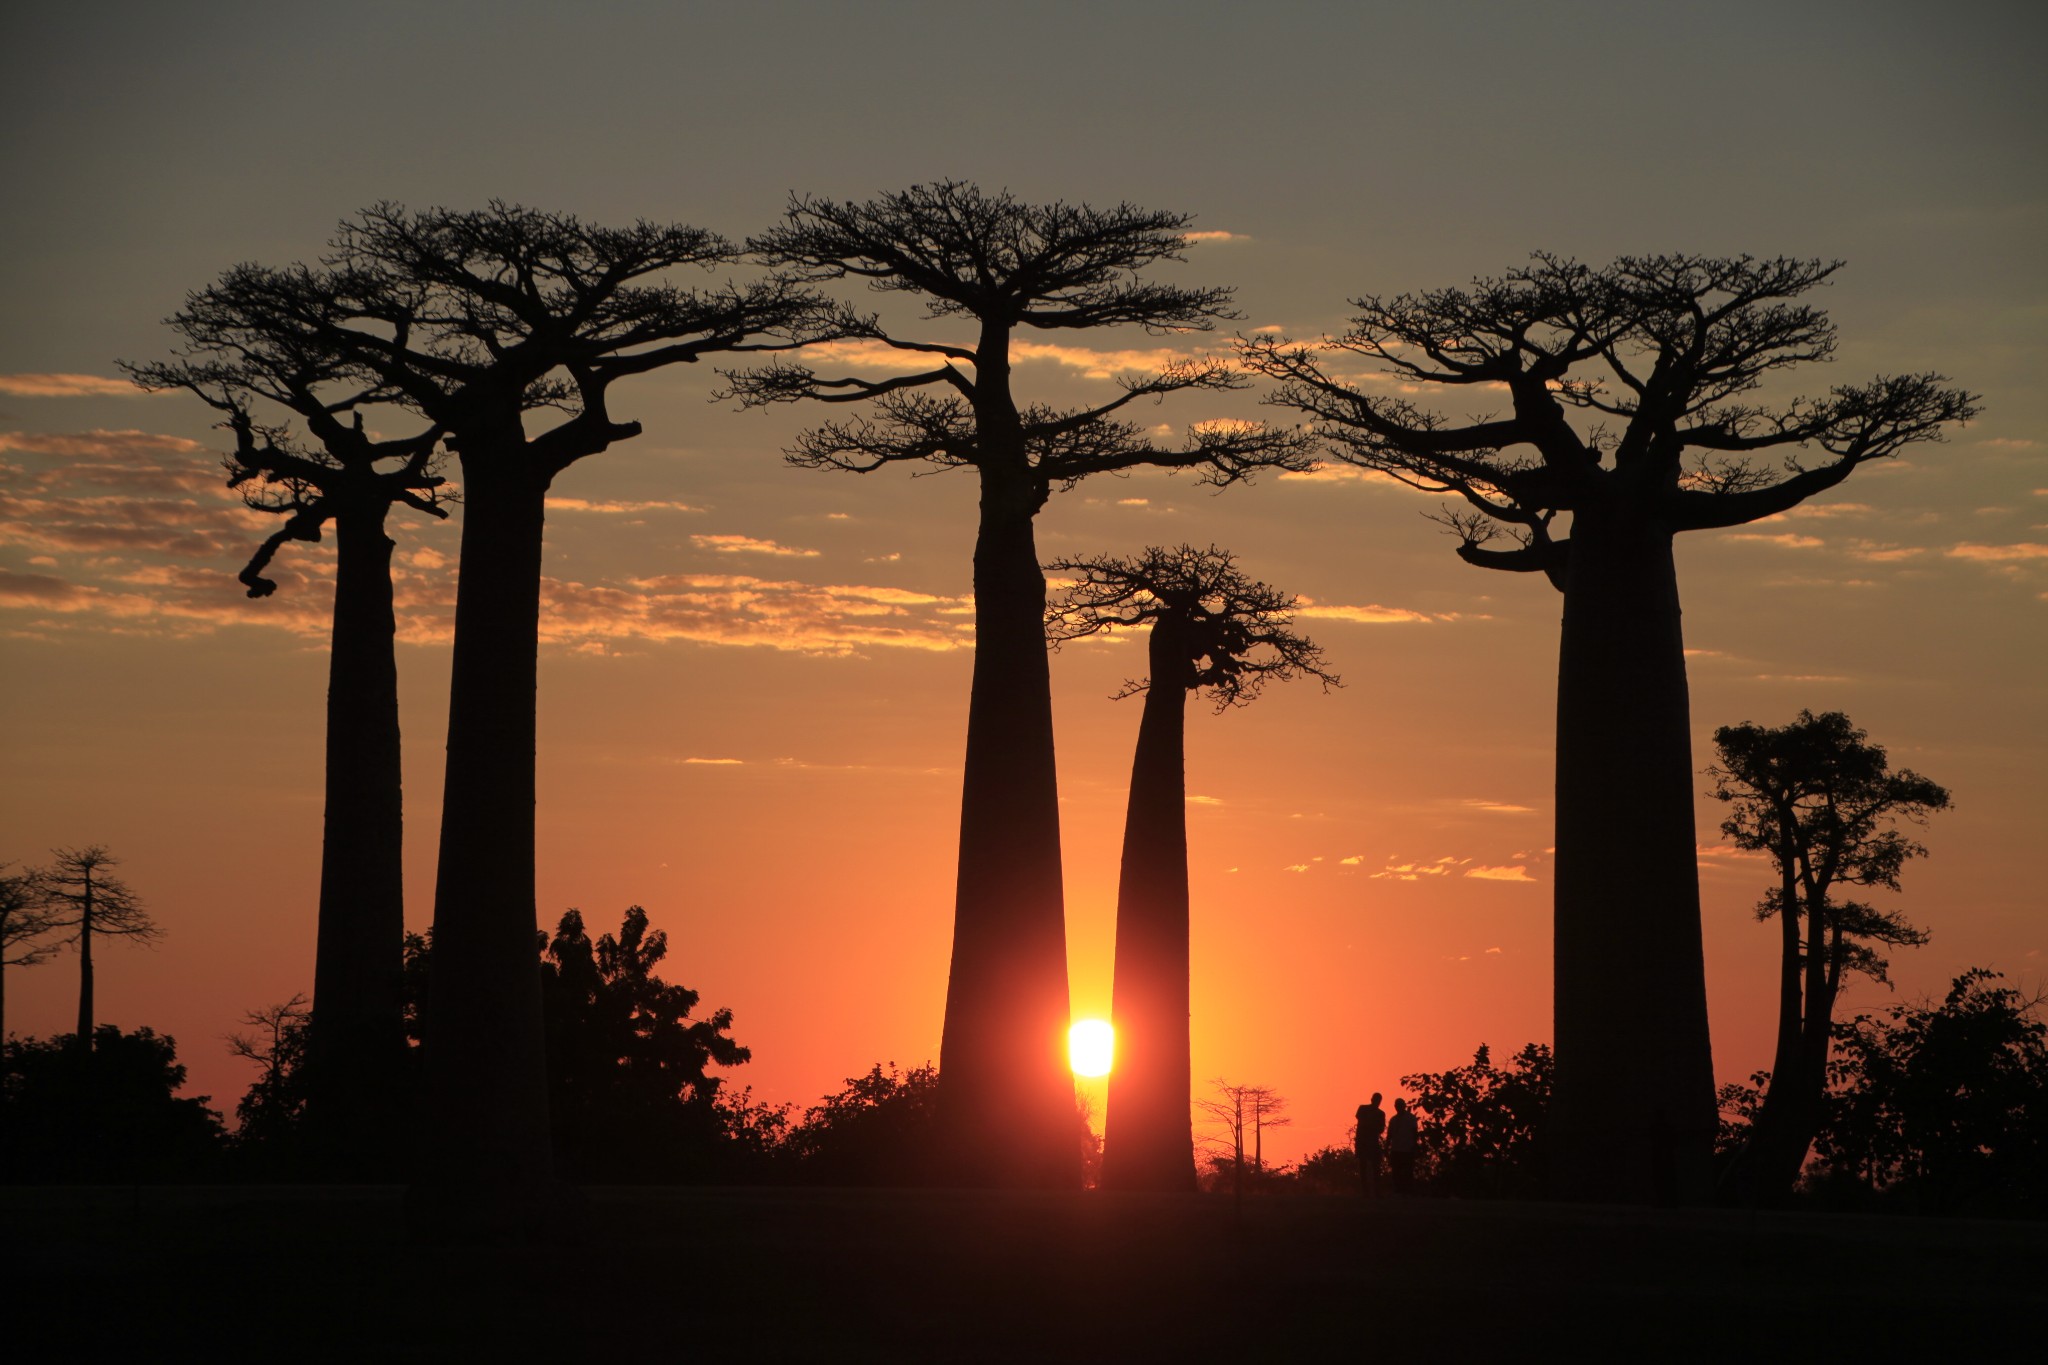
[[356, 1047], [1006, 1092], [1148, 1142], [487, 1104], [1633, 1113]]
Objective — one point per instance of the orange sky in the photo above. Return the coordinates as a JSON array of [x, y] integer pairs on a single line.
[[754, 691]]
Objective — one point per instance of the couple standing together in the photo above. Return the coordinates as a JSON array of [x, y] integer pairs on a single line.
[[1401, 1138]]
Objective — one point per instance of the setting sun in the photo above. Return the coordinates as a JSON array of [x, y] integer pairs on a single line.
[[1091, 1047]]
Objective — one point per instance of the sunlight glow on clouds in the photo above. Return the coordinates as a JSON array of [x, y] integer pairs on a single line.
[[1500, 874], [728, 544], [68, 386], [561, 504], [1370, 615]]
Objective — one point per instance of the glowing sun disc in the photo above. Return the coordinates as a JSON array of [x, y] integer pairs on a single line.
[[1091, 1047]]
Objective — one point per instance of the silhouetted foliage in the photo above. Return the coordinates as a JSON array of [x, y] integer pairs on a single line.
[[1942, 1108], [1823, 804], [880, 1130], [1210, 628], [28, 927], [1327, 1170], [627, 1065], [993, 265], [1661, 358], [1483, 1129], [110, 1114], [83, 896], [269, 1133]]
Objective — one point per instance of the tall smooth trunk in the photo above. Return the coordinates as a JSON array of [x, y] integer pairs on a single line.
[[1006, 1093], [1148, 1139], [84, 1043], [487, 1106], [1633, 1112], [1785, 1121], [357, 1042]]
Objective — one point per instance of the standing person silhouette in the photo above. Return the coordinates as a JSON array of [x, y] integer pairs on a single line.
[[1402, 1139], [1372, 1121]]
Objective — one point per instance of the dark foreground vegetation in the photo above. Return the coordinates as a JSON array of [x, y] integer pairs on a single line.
[[971, 1275]]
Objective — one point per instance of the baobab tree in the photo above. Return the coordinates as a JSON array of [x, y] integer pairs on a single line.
[[1211, 630], [236, 362], [481, 322], [1824, 805], [995, 265], [83, 896], [1664, 357]]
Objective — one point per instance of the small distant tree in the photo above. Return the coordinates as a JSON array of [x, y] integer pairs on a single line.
[[1630, 412], [27, 927], [1212, 630], [995, 267], [1824, 805], [1238, 1110], [1483, 1132], [1944, 1107], [83, 896]]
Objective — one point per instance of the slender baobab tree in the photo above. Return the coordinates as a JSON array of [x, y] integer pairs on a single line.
[[350, 478], [1824, 804], [83, 896], [1212, 630], [992, 266], [482, 322], [1665, 358]]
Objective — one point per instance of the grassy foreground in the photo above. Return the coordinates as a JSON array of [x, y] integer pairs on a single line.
[[316, 1274]]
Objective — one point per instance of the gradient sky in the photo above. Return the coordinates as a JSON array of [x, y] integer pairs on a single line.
[[754, 680]]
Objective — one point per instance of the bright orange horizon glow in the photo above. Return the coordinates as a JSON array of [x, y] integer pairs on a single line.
[[1091, 1047]]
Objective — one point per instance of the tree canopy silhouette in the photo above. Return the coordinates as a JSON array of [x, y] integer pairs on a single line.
[[1945, 1107], [482, 322], [1664, 358], [27, 925], [1823, 804], [245, 360], [992, 266], [1210, 629], [628, 1068]]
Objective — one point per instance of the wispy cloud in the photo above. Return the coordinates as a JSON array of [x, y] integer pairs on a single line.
[[731, 544], [1999, 554], [1214, 236], [1501, 807], [876, 356], [68, 386], [1517, 873], [615, 508], [1784, 539], [1371, 614]]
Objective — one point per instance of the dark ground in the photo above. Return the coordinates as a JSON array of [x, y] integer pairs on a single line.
[[678, 1274]]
